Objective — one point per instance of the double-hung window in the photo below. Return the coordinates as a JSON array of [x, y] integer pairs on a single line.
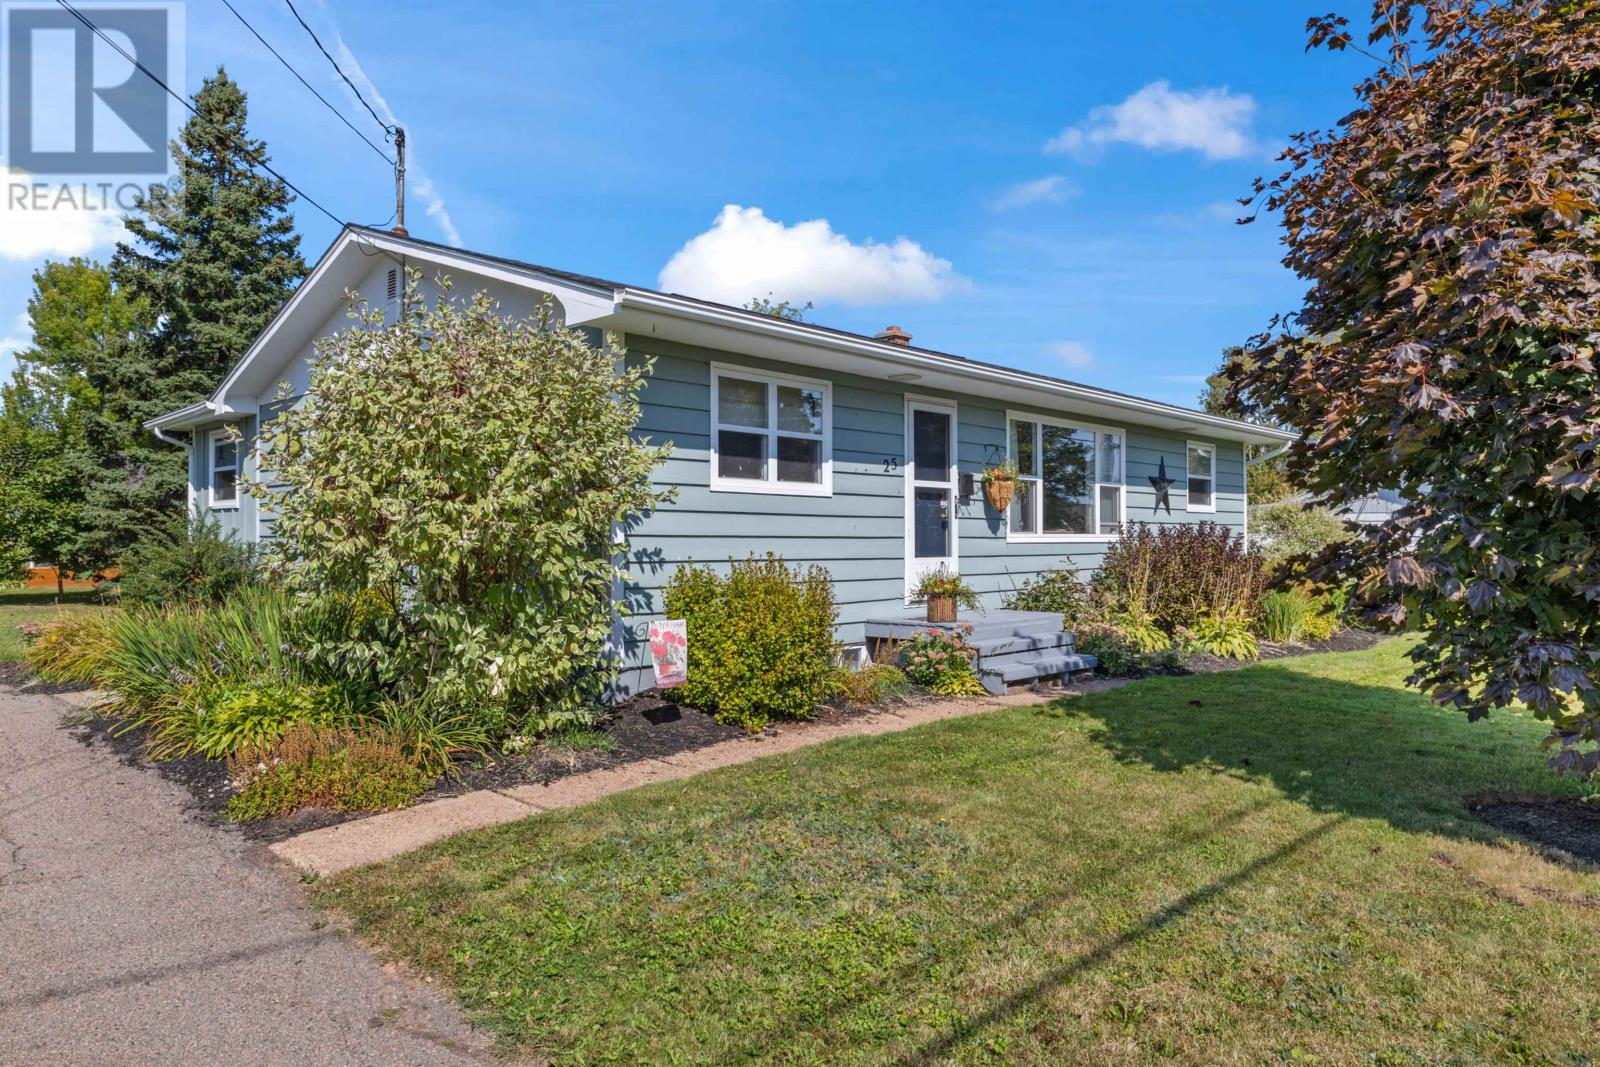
[[224, 457], [770, 433], [1202, 477], [1069, 480]]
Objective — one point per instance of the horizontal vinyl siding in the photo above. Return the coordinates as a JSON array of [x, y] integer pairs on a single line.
[[858, 533]]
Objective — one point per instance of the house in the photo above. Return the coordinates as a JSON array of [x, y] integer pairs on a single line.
[[859, 453]]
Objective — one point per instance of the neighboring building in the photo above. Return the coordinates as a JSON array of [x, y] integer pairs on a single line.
[[858, 453], [1374, 510]]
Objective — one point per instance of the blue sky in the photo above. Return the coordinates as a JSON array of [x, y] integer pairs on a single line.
[[1049, 188]]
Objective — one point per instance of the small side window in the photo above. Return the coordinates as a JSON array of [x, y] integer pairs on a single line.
[[224, 471], [1202, 477]]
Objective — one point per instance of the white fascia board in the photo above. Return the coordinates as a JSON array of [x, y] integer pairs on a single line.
[[343, 265], [581, 303], [999, 383]]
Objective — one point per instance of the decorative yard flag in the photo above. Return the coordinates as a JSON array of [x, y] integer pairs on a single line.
[[669, 648]]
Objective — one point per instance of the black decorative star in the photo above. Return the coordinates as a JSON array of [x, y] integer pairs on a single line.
[[1163, 487]]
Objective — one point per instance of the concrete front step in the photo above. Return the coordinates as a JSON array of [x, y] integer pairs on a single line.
[[1000, 677]]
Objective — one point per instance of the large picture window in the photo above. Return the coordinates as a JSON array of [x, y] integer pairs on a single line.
[[224, 470], [1202, 477], [770, 434], [1069, 480]]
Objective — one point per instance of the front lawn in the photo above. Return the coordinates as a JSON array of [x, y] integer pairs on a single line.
[[24, 605], [1268, 865]]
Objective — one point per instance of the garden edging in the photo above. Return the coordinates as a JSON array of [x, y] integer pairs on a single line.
[[376, 838]]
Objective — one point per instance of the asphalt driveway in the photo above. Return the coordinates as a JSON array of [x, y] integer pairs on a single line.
[[132, 934]]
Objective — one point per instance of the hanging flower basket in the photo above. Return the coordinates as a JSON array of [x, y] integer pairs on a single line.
[[1000, 485], [999, 491], [942, 608]]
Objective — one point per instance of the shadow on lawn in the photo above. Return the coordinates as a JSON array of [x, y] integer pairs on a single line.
[[1014, 921], [46, 597], [1370, 751]]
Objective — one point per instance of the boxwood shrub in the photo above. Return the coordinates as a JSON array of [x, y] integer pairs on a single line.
[[760, 639]]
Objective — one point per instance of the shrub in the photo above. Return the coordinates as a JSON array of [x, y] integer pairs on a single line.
[[760, 639], [1175, 573], [876, 684], [317, 766], [192, 560], [1058, 591], [258, 713], [1227, 636], [933, 653], [1281, 531], [1141, 632], [1115, 654], [1283, 615], [958, 681], [1326, 617], [472, 468], [70, 648]]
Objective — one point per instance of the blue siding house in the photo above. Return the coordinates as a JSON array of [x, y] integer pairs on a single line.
[[862, 454]]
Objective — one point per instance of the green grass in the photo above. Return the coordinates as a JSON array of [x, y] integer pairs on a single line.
[[18, 606], [1270, 865]]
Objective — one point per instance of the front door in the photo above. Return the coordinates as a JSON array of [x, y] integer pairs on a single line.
[[931, 480]]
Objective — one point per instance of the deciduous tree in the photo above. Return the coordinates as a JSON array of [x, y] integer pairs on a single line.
[[1449, 232]]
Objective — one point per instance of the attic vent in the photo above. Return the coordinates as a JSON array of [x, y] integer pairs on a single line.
[[394, 284]]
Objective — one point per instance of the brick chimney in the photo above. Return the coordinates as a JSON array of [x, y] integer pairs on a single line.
[[894, 335]]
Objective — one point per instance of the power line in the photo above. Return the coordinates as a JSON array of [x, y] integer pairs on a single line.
[[388, 127], [243, 147], [287, 66]]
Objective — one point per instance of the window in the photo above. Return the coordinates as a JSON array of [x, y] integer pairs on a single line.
[[770, 434], [1069, 480], [1202, 477], [224, 470]]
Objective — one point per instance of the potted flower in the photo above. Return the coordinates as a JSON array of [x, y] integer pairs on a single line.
[[942, 590], [1000, 485]]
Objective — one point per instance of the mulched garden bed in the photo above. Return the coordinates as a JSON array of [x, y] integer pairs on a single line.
[[1559, 824], [1351, 640], [649, 726]]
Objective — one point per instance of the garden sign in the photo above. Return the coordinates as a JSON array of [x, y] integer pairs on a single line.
[[669, 648]]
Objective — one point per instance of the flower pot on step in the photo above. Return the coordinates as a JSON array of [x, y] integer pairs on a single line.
[[999, 492], [941, 609]]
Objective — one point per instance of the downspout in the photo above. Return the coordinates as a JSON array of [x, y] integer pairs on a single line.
[[161, 435]]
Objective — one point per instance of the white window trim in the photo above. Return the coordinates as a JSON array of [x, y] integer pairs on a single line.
[[913, 403], [1122, 481], [771, 485], [212, 439], [1188, 497]]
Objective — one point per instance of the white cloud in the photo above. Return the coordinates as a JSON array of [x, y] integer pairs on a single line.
[[20, 337], [1214, 122], [420, 182], [1048, 190], [1073, 354], [50, 219], [745, 254]]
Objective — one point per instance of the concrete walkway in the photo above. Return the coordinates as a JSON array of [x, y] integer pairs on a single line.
[[131, 934], [381, 837]]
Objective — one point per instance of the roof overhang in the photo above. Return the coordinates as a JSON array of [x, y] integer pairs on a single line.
[[691, 321], [647, 313]]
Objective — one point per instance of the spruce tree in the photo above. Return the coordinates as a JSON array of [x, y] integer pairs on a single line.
[[213, 256]]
